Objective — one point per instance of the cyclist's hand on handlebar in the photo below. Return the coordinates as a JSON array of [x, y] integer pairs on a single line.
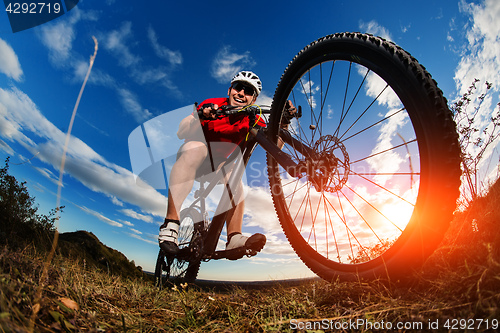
[[290, 109], [289, 113], [208, 111]]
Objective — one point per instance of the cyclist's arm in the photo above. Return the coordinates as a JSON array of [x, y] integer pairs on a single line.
[[286, 122], [189, 128]]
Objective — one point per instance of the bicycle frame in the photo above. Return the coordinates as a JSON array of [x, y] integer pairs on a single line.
[[339, 178], [257, 136], [233, 183]]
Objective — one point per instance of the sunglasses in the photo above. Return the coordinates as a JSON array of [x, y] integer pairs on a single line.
[[247, 90]]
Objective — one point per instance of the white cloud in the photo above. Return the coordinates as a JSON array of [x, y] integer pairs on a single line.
[[131, 104], [136, 231], [97, 77], [376, 29], [24, 120], [120, 44], [117, 43], [260, 210], [48, 174], [309, 89], [58, 37], [14, 107], [378, 88], [482, 52], [133, 214], [137, 236], [117, 202], [100, 217], [173, 57], [481, 60], [9, 63], [127, 223], [405, 28], [391, 161], [227, 63], [6, 148], [148, 76], [264, 99]]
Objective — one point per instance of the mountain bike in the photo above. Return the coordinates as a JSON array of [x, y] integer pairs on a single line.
[[364, 180]]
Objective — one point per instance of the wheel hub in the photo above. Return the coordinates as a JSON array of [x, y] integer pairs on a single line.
[[328, 169]]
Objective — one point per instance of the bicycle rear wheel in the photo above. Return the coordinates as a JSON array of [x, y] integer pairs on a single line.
[[184, 266], [379, 184]]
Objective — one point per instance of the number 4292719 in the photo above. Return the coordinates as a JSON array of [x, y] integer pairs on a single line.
[[33, 8]]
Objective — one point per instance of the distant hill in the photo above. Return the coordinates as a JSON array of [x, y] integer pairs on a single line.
[[21, 226], [85, 246]]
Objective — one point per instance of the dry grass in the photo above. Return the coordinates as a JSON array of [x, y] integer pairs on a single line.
[[460, 281], [78, 300]]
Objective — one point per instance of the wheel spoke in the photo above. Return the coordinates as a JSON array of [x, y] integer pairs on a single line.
[[372, 125], [384, 151], [342, 226], [366, 104]]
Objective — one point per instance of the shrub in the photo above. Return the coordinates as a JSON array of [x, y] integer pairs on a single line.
[[20, 224], [478, 136]]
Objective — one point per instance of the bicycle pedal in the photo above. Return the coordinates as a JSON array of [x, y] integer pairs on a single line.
[[255, 243], [251, 253], [233, 254], [169, 249]]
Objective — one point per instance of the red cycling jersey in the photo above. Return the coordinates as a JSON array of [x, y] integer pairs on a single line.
[[232, 128]]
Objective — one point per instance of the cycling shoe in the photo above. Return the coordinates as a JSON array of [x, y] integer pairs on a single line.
[[255, 242], [169, 247], [168, 236]]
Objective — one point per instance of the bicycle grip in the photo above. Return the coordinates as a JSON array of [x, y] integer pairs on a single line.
[[201, 115]]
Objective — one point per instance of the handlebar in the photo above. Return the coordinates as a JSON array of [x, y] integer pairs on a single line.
[[254, 109], [250, 109]]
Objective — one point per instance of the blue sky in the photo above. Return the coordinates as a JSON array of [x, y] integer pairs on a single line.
[[153, 59]]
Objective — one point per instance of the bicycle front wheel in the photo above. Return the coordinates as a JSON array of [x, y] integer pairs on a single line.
[[380, 173]]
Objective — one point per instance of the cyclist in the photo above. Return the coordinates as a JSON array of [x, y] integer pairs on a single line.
[[196, 156]]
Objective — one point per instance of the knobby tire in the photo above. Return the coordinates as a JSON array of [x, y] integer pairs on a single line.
[[340, 215]]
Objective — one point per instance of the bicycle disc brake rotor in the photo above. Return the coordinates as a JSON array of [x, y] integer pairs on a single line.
[[329, 169]]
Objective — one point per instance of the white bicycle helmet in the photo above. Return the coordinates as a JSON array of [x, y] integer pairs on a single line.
[[250, 78]]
